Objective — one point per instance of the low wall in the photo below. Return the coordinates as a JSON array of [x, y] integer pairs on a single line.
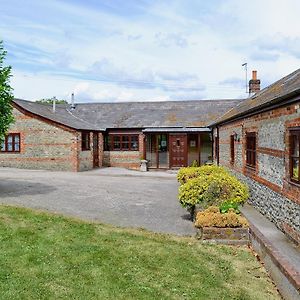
[[124, 159], [283, 274]]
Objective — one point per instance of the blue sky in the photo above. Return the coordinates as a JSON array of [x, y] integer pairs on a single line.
[[147, 50]]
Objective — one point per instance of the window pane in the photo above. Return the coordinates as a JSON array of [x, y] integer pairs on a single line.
[[3, 146], [134, 143], [9, 139], [85, 143], [295, 169], [9, 147], [17, 147], [125, 142], [295, 151], [117, 143], [251, 150], [107, 141]]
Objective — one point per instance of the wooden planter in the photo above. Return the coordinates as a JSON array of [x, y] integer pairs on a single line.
[[229, 236]]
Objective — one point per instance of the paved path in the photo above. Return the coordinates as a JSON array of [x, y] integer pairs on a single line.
[[109, 195]]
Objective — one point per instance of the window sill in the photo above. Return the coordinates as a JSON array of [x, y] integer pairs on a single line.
[[250, 170], [10, 152], [122, 150], [294, 183]]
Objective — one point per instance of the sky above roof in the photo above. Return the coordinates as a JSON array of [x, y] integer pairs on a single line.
[[104, 50]]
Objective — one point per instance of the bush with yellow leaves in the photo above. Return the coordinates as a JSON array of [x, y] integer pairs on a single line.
[[211, 185], [212, 217], [185, 174]]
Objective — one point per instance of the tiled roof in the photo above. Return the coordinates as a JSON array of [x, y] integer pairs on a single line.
[[277, 92], [97, 116], [61, 116]]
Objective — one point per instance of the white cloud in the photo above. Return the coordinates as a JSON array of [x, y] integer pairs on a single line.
[[158, 50]]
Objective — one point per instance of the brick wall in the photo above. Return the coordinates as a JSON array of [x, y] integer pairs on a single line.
[[272, 193], [43, 145]]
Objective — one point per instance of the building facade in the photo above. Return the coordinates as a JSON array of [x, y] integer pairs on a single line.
[[257, 138], [259, 141], [87, 136]]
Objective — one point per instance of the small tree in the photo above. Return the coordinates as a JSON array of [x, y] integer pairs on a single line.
[[6, 95], [50, 101]]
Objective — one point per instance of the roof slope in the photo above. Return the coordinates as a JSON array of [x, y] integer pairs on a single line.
[[274, 93], [97, 116], [61, 116]]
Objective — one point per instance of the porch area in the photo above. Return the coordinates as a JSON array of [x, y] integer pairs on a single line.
[[175, 148]]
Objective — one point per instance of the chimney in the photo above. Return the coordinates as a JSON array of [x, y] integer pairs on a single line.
[[72, 101], [254, 83], [54, 104]]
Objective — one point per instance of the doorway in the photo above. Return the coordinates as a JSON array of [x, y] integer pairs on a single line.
[[157, 151], [95, 150]]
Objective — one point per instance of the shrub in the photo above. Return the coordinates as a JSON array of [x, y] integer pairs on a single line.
[[185, 174], [212, 217], [195, 163], [212, 186]]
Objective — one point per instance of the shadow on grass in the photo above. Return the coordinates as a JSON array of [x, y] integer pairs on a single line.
[[15, 188]]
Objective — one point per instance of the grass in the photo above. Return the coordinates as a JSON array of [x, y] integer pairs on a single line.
[[46, 256]]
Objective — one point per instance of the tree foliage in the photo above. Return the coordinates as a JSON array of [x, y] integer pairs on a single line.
[[6, 95], [50, 101]]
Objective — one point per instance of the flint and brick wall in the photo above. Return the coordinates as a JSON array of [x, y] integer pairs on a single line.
[[43, 145], [272, 192]]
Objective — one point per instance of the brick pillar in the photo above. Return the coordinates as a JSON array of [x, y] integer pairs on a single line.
[[77, 149], [101, 148], [142, 146]]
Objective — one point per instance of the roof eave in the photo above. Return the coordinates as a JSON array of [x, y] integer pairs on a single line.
[[267, 106]]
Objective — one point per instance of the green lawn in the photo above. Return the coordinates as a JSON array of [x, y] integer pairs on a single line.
[[45, 256]]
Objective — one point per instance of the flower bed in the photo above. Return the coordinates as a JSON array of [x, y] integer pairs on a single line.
[[226, 228]]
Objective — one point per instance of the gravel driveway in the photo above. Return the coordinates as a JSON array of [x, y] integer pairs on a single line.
[[109, 195]]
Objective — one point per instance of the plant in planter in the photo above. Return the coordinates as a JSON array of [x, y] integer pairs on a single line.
[[212, 217], [229, 227], [210, 185]]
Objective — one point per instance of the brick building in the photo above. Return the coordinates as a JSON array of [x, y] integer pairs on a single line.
[[85, 136], [259, 141], [257, 138]]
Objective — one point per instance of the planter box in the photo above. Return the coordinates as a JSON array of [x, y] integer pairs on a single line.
[[230, 236]]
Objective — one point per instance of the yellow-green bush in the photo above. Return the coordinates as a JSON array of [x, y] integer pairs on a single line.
[[212, 186], [212, 217], [185, 174]]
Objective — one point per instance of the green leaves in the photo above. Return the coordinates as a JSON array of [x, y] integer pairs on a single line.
[[6, 95], [210, 185]]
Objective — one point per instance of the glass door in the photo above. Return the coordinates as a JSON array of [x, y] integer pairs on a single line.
[[157, 151], [163, 153]]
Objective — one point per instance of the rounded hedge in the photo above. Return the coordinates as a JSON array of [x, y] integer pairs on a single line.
[[185, 174], [212, 186]]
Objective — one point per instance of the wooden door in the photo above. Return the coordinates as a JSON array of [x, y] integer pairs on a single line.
[[95, 150], [178, 150]]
